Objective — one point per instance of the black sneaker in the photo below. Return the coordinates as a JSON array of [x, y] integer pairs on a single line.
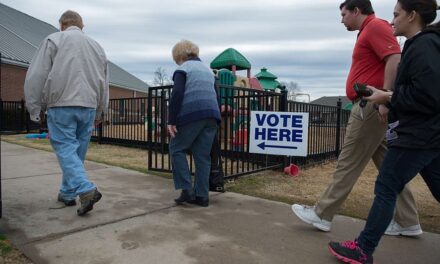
[[349, 252], [185, 196], [87, 200], [200, 201], [66, 202]]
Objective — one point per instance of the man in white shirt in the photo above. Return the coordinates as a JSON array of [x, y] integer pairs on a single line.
[[68, 78]]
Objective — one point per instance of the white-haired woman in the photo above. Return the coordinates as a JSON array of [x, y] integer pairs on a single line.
[[193, 115]]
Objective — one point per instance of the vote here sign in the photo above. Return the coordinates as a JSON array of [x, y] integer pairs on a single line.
[[279, 133]]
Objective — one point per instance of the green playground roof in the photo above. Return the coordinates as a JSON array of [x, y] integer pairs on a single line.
[[228, 58], [264, 74], [267, 80], [269, 84]]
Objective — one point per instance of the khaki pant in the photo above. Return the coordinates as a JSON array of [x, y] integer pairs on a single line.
[[364, 139]]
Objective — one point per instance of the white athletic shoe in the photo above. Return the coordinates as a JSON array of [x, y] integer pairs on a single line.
[[394, 229], [308, 215]]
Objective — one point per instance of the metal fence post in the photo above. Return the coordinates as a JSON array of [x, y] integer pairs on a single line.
[[100, 128], [1, 129], [23, 124], [150, 128], [284, 108], [283, 101], [338, 127], [26, 117], [163, 125], [2, 117], [1, 203]]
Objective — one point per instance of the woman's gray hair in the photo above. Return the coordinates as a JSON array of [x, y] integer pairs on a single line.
[[71, 18], [185, 50]]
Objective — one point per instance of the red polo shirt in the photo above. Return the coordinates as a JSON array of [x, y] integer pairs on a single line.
[[375, 42]]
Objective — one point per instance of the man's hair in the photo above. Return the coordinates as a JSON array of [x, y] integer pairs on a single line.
[[185, 50], [427, 9], [363, 5], [71, 18]]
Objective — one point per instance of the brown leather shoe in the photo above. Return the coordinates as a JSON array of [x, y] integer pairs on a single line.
[[87, 200]]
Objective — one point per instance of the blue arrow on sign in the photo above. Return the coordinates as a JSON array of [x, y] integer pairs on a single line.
[[263, 145]]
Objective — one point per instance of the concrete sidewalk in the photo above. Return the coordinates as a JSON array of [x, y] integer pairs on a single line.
[[137, 222]]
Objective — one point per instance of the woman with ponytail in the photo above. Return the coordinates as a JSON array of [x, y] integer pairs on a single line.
[[414, 125]]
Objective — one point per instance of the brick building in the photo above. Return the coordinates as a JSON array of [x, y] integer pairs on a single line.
[[20, 36]]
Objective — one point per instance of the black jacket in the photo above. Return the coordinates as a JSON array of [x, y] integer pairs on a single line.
[[415, 103]]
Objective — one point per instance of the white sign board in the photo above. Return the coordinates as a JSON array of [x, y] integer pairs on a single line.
[[279, 133]]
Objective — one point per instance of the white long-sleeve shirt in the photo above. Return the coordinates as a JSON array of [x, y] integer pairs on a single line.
[[68, 69]]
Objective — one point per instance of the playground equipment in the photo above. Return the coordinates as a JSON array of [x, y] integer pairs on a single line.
[[37, 136], [225, 67], [240, 139], [268, 80], [293, 96]]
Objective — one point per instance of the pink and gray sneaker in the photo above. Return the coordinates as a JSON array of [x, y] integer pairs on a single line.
[[349, 252]]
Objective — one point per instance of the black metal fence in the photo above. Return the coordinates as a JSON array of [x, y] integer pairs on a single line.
[[326, 130], [14, 118], [125, 123]]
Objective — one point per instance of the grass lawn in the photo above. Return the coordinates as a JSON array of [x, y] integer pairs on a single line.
[[9, 254]]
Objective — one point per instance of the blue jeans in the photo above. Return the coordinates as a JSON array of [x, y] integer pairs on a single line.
[[197, 137], [70, 130], [399, 167]]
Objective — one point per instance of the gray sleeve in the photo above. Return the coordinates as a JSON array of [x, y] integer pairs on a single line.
[[103, 101], [37, 75]]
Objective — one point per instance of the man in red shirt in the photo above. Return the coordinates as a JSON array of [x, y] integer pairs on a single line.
[[374, 62]]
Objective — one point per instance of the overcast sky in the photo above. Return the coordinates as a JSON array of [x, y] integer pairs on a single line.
[[301, 41]]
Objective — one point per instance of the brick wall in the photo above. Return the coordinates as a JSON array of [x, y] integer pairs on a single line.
[[139, 94], [116, 93], [12, 82]]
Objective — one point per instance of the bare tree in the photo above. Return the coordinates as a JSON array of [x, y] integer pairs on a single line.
[[161, 77], [291, 86]]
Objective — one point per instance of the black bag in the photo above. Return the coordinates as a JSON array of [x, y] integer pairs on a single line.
[[216, 177]]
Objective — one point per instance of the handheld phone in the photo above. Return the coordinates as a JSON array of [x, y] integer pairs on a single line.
[[362, 90]]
